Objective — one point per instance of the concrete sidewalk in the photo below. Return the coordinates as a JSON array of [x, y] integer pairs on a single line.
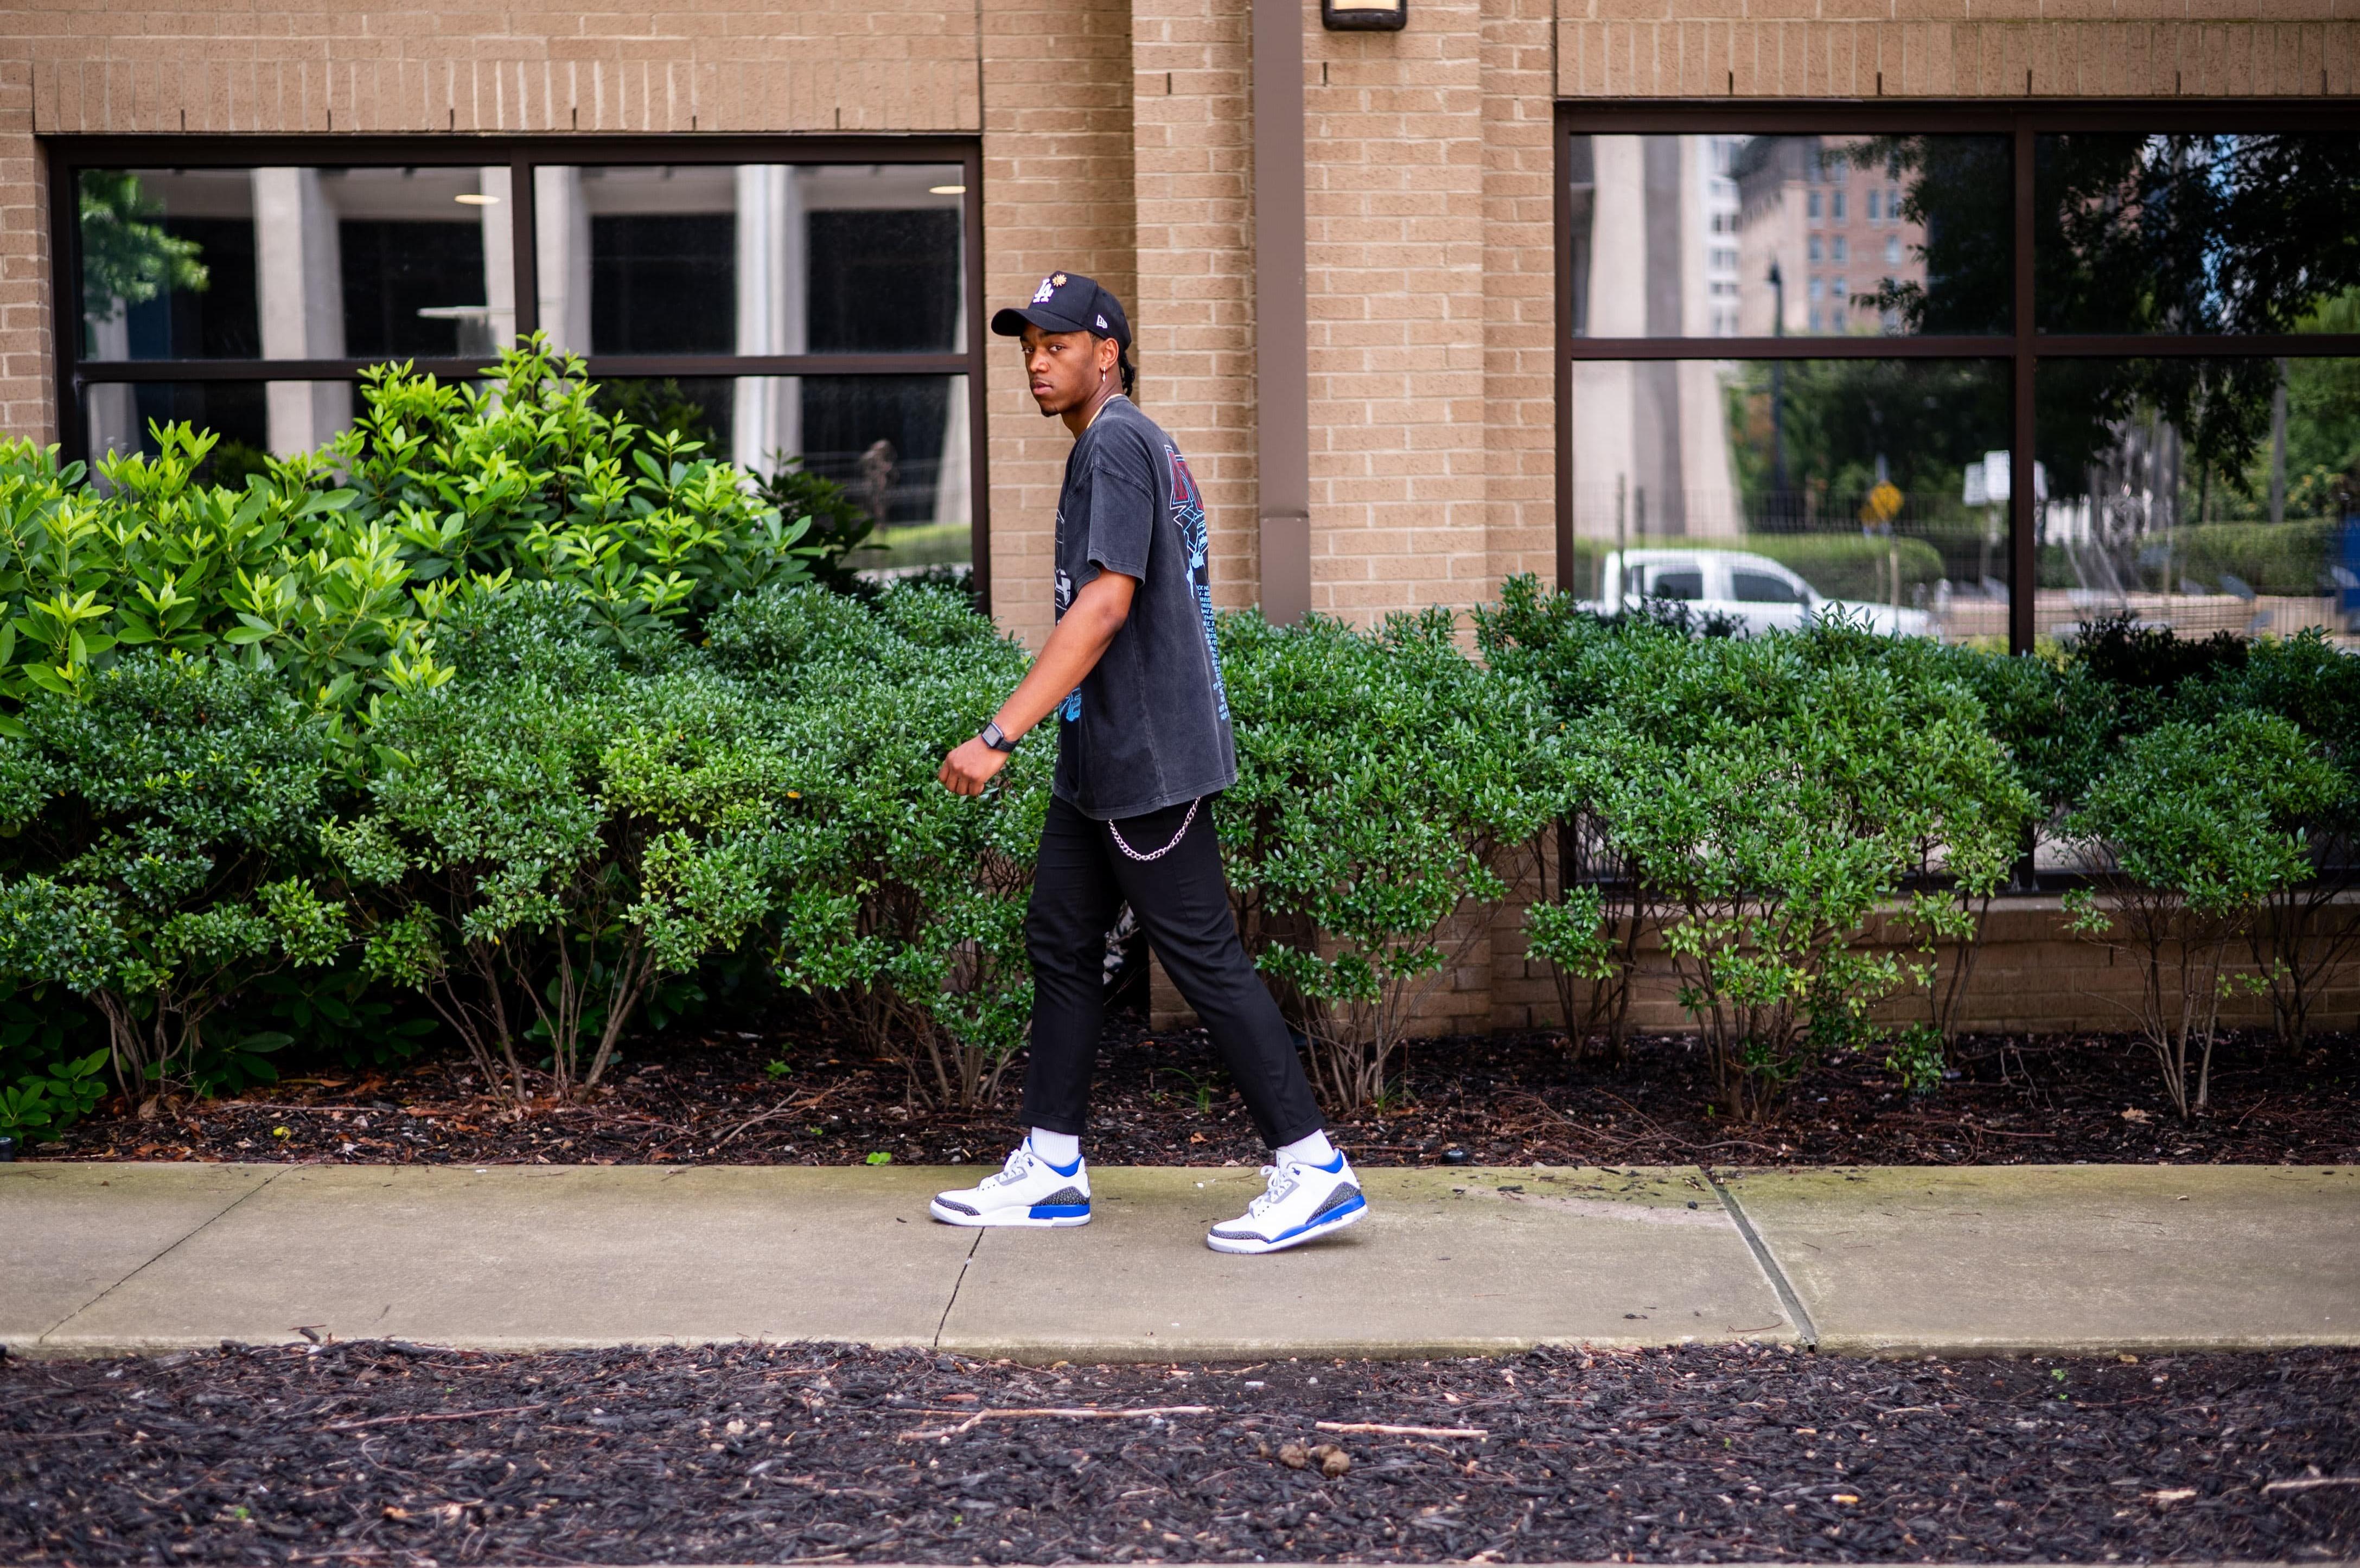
[[103, 1258]]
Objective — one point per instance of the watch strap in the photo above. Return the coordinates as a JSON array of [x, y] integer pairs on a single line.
[[993, 736]]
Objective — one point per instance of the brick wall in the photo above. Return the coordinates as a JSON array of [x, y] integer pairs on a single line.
[[1519, 290], [1394, 207], [1834, 49], [2030, 976], [25, 369], [1057, 193], [1193, 151]]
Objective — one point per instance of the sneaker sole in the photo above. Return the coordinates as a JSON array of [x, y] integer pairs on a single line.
[[1006, 1219], [1345, 1221]]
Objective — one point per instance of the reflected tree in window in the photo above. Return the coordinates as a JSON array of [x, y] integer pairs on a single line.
[[2138, 234], [1960, 190], [127, 257]]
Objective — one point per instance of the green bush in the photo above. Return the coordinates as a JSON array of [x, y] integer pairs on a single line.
[[159, 822], [2308, 930], [2187, 836], [332, 568], [1379, 778], [1772, 793], [2286, 558], [897, 906], [505, 712], [1587, 928]]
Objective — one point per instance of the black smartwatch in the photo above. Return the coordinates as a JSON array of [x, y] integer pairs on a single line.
[[993, 736]]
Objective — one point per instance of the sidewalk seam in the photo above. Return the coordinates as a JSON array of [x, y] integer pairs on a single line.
[[944, 1322], [1787, 1297], [202, 1225]]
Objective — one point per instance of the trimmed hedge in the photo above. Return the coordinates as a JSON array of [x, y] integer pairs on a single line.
[[580, 748]]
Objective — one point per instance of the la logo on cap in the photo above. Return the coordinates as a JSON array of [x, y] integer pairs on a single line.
[[1048, 287]]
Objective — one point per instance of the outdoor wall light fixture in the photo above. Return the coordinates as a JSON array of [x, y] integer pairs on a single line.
[[1364, 16], [470, 199], [946, 190]]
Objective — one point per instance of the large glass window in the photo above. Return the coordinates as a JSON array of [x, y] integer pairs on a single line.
[[814, 311], [1766, 491], [2135, 398]]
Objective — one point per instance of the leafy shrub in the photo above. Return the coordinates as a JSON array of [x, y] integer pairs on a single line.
[[275, 578], [333, 567], [525, 479], [542, 842], [899, 906], [1979, 817], [2187, 836], [157, 820], [1589, 927], [49, 1078], [2269, 557], [2308, 929], [1773, 791], [1379, 778]]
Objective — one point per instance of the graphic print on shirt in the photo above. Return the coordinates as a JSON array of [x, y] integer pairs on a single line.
[[1070, 710], [1188, 516]]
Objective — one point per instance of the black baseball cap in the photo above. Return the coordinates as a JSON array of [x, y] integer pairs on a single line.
[[1067, 301]]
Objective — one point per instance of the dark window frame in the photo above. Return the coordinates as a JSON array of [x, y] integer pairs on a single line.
[[2021, 348], [66, 157]]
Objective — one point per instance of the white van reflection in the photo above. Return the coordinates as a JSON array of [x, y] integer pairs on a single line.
[[1753, 591]]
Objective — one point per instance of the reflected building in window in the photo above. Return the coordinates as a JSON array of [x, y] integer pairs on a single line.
[[712, 268], [302, 264], [1823, 230], [762, 261], [1652, 238]]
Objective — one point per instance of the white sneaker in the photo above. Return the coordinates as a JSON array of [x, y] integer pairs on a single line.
[[1304, 1203], [1028, 1190]]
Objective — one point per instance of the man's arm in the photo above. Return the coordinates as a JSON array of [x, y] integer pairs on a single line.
[[1072, 651]]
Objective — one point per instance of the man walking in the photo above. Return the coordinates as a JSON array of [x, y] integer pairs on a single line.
[[1143, 743]]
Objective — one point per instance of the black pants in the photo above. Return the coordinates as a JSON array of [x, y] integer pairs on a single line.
[[1081, 879]]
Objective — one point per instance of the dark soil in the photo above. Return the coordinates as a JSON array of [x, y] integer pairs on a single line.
[[376, 1452], [1164, 1100]]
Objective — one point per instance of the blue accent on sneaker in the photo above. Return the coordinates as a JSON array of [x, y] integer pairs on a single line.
[[1059, 1211], [1329, 1218], [1333, 1167], [1053, 1165]]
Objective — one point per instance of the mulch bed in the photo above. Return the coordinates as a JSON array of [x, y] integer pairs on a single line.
[[788, 1097], [376, 1452]]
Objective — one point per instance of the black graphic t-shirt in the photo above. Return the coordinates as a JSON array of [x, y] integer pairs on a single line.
[[1150, 726]]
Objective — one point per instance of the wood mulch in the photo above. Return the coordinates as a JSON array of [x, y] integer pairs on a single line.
[[786, 1096], [382, 1453]]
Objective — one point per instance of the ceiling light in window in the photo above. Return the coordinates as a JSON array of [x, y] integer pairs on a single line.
[[470, 199], [946, 190]]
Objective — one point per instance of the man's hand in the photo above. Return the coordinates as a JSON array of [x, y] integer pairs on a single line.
[[967, 770], [1073, 650]]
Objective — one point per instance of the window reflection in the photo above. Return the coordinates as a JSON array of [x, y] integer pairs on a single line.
[[2195, 234], [2142, 515], [1770, 492], [295, 263], [758, 258], [1777, 236], [898, 445]]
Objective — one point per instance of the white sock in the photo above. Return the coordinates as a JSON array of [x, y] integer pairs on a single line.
[[1313, 1150], [1060, 1149]]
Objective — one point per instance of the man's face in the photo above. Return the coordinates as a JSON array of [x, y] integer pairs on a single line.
[[1065, 369]]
